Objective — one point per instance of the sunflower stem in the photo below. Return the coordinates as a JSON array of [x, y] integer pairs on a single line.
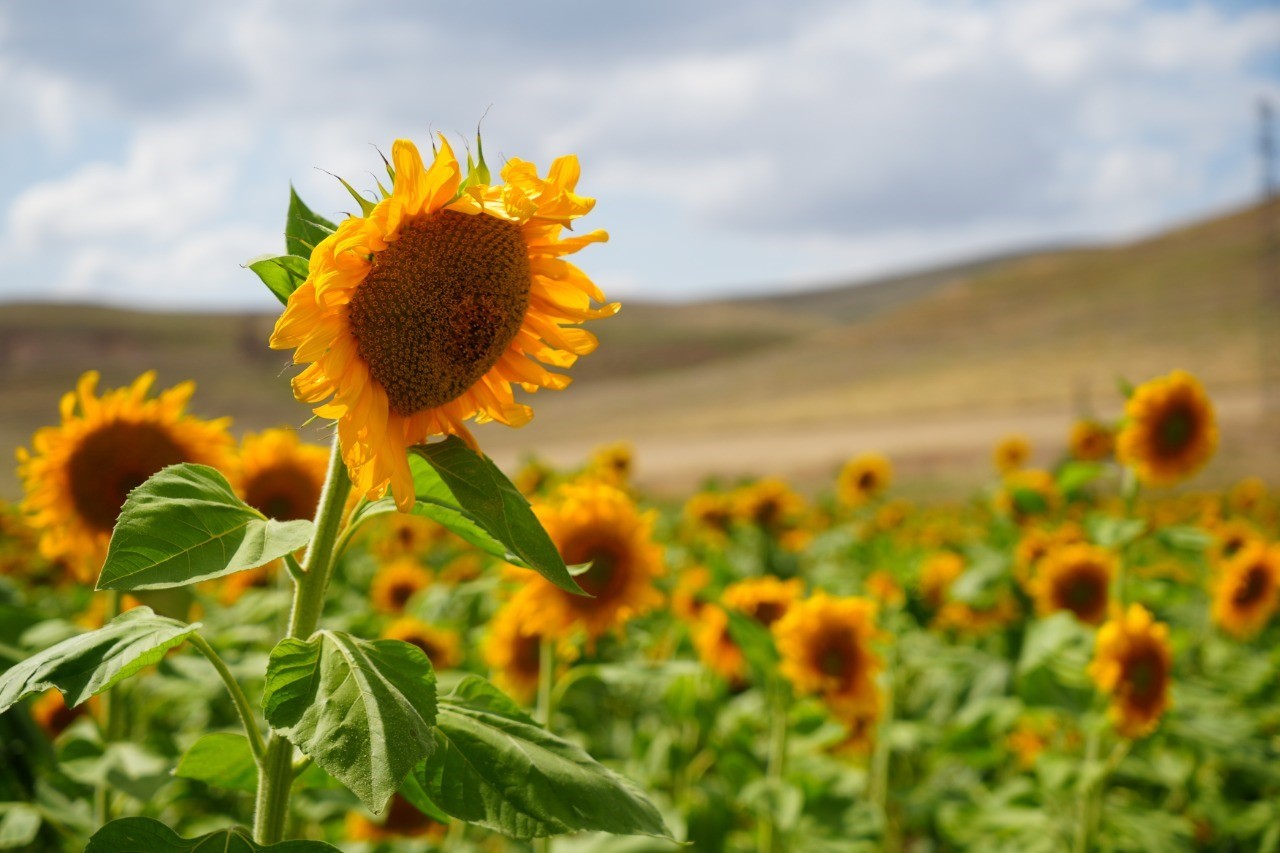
[[243, 708], [546, 703], [112, 716], [1084, 795], [275, 775], [777, 758], [883, 754]]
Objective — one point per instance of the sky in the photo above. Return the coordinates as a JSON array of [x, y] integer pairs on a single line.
[[734, 146]]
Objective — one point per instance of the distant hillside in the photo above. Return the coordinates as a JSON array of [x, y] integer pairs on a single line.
[[930, 366]]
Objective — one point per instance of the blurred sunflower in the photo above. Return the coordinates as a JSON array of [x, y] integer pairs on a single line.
[[78, 474], [1036, 543], [1169, 431], [710, 512], [395, 535], [402, 820], [882, 587], [686, 600], [52, 715], [1247, 590], [1132, 661], [937, 573], [591, 522], [1029, 739], [1011, 453], [532, 477], [1091, 441], [1076, 578], [859, 720], [613, 464], [715, 645], [441, 646], [1246, 495], [425, 312], [513, 651], [770, 504], [396, 583], [233, 587], [964, 618], [766, 599], [1230, 538], [280, 476], [863, 478], [825, 645], [1027, 494]]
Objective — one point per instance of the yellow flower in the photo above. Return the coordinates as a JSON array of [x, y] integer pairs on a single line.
[[1035, 545], [1029, 739], [964, 618], [1247, 590], [441, 646], [396, 583], [710, 512], [881, 586], [1027, 493], [1075, 578], [825, 645], [859, 719], [513, 649], [937, 573], [1091, 441], [1169, 431], [1246, 495], [78, 474], [424, 313], [233, 586], [402, 820], [864, 478], [51, 713], [764, 599], [1132, 661], [613, 464], [1230, 538], [280, 476], [715, 646], [462, 568], [685, 600], [592, 522], [1011, 453], [532, 477], [770, 504]]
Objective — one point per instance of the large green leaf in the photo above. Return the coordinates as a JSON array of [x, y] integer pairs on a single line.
[[185, 524], [225, 760], [87, 664], [363, 711], [304, 228], [494, 766], [459, 477], [19, 825], [282, 274], [144, 835]]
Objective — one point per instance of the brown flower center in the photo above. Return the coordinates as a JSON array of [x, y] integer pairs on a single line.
[[768, 612], [607, 571], [1144, 676], [1084, 593], [1253, 587], [440, 306], [283, 492], [112, 461], [1175, 430]]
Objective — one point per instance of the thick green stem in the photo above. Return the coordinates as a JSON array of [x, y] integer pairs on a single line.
[[1084, 795], [112, 710], [243, 708], [777, 759], [545, 709], [275, 775], [880, 758]]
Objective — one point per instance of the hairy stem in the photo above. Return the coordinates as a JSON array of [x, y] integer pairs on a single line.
[[243, 708], [111, 709]]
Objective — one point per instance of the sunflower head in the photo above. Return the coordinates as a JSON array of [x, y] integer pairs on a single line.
[[425, 312], [402, 820], [711, 513], [1091, 441], [769, 504], [1011, 453], [1026, 494], [512, 647], [1230, 538], [1247, 590], [825, 645], [78, 474], [1133, 663], [937, 573], [1030, 738], [1076, 578], [52, 715], [1036, 543], [863, 478], [686, 598], [881, 586], [591, 522], [442, 647], [765, 599], [1246, 495], [396, 583], [715, 645], [1170, 430], [613, 464], [281, 476]]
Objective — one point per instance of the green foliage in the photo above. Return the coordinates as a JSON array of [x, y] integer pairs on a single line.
[[304, 228], [144, 835], [221, 759], [363, 711], [19, 825], [88, 664], [485, 742], [185, 524], [282, 274]]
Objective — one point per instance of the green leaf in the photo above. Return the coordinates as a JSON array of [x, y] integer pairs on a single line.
[[221, 759], [304, 228], [494, 766], [1111, 532], [185, 524], [144, 835], [461, 478], [282, 274], [1185, 538], [87, 664], [1075, 475], [19, 825], [756, 644], [362, 710]]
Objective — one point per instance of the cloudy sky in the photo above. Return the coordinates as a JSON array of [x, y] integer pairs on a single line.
[[735, 146]]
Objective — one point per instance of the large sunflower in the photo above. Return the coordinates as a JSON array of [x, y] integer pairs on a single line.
[[1077, 578], [591, 522], [825, 645], [1170, 430], [78, 474], [280, 476], [1132, 661], [1247, 590], [424, 313]]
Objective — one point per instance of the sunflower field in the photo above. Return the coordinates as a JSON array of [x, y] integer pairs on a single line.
[[391, 644]]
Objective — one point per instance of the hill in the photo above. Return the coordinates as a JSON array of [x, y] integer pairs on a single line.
[[931, 367]]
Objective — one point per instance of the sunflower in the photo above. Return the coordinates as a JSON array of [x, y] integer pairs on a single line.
[[1170, 429], [280, 476], [532, 477], [591, 522], [1246, 495], [513, 650], [463, 568], [79, 473], [1075, 578], [859, 720], [1026, 494], [1029, 739], [825, 645], [1247, 590], [937, 574], [396, 535], [766, 599], [715, 645], [963, 618], [1091, 441], [686, 600], [1132, 661], [1011, 453], [396, 583], [863, 478], [1230, 538], [424, 313], [231, 588], [882, 587], [613, 464], [402, 820], [51, 713], [442, 647], [1036, 543], [770, 504]]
